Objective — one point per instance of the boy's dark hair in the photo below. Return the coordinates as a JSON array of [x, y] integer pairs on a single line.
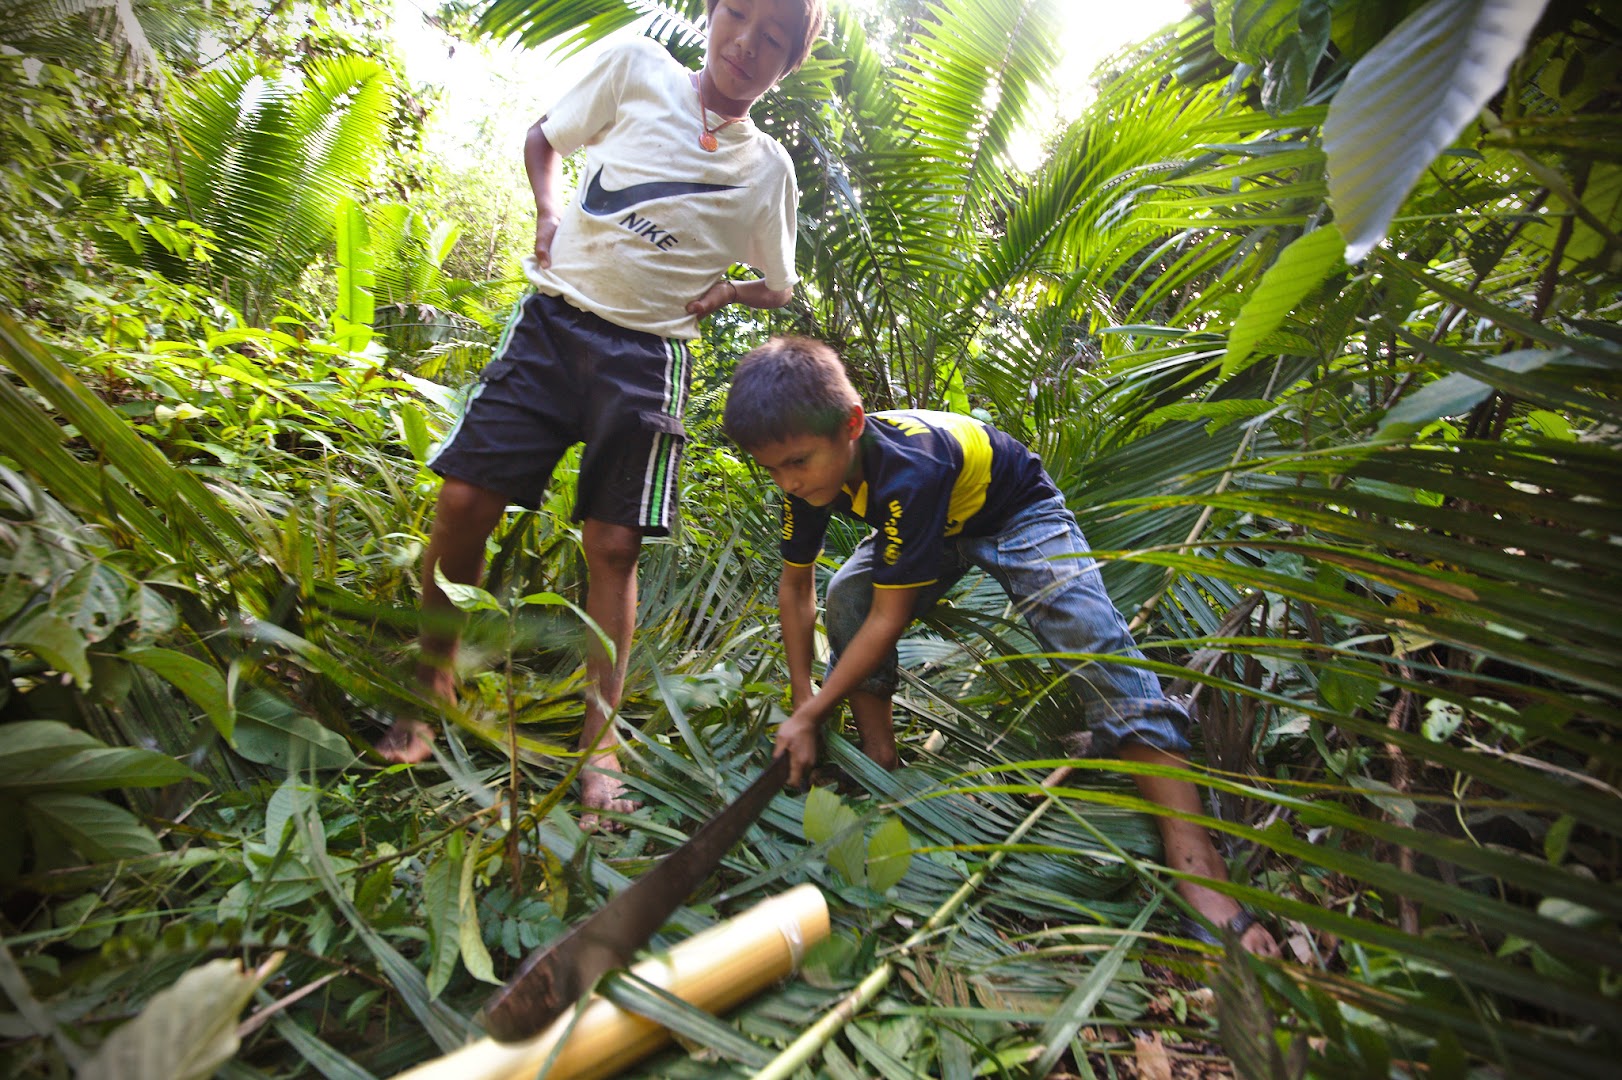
[[788, 387], [814, 13]]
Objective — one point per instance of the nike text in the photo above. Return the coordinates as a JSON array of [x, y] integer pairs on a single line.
[[656, 235]]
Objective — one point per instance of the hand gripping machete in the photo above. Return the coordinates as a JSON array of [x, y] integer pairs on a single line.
[[555, 976]]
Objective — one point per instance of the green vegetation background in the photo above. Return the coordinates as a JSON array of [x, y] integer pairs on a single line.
[[1313, 316]]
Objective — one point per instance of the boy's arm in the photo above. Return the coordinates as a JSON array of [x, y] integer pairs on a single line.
[[797, 612], [545, 168], [886, 620], [753, 293]]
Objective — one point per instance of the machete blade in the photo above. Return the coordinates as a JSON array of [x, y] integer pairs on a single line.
[[555, 976]]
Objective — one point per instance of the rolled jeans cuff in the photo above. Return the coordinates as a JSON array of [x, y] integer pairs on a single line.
[[1156, 722]]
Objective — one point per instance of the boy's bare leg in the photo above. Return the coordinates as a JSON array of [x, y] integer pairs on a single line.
[[611, 553], [464, 517], [875, 723], [1189, 847]]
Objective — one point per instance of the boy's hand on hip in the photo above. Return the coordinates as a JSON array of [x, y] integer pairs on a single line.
[[546, 227], [715, 298], [799, 737]]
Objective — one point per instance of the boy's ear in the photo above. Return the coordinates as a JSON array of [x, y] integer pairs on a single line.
[[857, 422]]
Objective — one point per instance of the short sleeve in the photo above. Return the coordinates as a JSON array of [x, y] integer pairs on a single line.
[[771, 247], [588, 108], [804, 526], [907, 504], [910, 544]]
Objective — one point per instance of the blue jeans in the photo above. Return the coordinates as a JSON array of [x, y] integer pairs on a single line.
[[1037, 560]]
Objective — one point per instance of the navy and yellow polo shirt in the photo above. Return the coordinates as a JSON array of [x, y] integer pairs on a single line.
[[926, 476]]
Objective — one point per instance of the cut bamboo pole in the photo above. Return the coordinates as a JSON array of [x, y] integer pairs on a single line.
[[713, 970]]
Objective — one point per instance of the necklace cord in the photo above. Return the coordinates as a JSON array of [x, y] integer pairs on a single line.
[[706, 137]]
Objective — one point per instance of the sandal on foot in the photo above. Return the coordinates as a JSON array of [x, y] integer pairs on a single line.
[[1195, 930]]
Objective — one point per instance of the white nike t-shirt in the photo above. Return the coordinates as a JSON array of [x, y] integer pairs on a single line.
[[657, 219]]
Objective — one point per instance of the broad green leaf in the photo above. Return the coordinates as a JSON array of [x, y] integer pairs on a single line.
[[1250, 30], [1360, 27], [1451, 395], [1288, 75], [1346, 691], [889, 854], [822, 806], [1556, 840], [271, 732], [465, 597], [1290, 67], [475, 956], [79, 914], [1602, 195], [49, 756], [1550, 425], [847, 854], [201, 682], [94, 827], [187, 1031], [54, 640], [96, 600], [99, 770], [1458, 393], [1386, 797], [1300, 268], [291, 798], [34, 744], [1406, 100], [414, 429], [441, 905]]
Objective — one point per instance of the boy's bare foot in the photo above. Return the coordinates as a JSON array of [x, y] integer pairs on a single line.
[[407, 742], [601, 788], [410, 741]]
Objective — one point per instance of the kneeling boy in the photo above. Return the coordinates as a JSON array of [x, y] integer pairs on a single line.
[[943, 493]]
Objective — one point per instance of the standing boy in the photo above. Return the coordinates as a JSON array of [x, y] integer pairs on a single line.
[[679, 185], [944, 492]]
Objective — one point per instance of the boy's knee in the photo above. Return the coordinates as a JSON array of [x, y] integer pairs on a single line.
[[846, 608], [465, 504], [611, 549]]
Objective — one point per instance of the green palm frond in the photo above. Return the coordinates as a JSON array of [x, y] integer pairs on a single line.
[[264, 160], [578, 23]]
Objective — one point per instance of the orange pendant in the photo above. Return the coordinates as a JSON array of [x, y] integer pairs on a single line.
[[708, 141]]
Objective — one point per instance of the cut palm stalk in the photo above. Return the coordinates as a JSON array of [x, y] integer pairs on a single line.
[[712, 970]]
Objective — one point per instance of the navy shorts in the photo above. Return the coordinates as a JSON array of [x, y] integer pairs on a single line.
[[562, 376]]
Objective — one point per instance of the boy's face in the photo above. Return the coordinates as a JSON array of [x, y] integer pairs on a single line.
[[749, 45], [815, 467]]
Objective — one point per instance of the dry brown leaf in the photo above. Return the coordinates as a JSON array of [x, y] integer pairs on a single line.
[[1153, 1064]]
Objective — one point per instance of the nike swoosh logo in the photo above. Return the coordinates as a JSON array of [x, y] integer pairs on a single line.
[[600, 201]]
